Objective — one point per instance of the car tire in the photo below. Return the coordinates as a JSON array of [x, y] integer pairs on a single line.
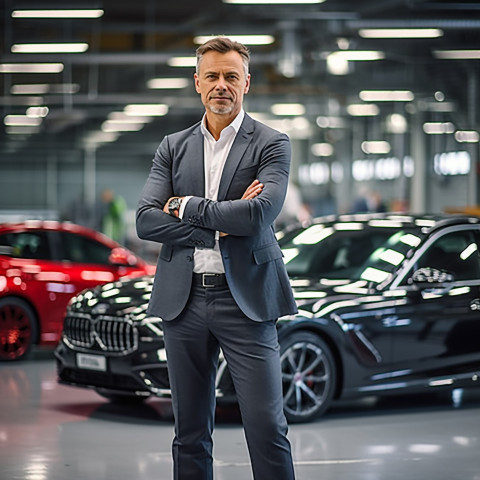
[[308, 376], [18, 329], [121, 398]]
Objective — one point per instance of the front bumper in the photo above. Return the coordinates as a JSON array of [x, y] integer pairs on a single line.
[[141, 373]]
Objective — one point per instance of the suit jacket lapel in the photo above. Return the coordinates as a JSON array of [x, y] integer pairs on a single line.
[[240, 144], [197, 170]]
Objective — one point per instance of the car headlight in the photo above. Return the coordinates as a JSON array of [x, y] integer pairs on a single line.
[[151, 329]]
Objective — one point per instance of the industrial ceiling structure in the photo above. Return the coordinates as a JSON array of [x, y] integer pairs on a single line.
[[321, 66]]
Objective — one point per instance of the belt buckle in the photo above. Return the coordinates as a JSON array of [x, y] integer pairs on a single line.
[[204, 275]]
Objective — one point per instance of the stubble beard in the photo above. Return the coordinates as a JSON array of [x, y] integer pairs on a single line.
[[224, 110]]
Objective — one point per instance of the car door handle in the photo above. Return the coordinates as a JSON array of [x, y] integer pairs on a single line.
[[389, 322], [475, 304]]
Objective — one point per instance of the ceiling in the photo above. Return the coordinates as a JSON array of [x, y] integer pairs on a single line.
[[134, 40]]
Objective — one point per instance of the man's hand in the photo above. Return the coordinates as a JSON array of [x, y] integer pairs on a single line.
[[254, 189]]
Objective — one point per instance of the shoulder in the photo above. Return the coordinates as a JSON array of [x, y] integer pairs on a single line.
[[184, 134], [173, 141]]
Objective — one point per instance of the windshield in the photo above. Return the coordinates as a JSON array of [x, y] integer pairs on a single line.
[[353, 251]]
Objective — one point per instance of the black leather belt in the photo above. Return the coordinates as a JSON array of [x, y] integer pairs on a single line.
[[209, 280]]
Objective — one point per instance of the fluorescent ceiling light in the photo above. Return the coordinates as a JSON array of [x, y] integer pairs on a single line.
[[101, 137], [245, 39], [288, 109], [357, 55], [154, 110], [386, 95], [37, 112], [31, 67], [457, 54], [109, 126], [168, 83], [21, 120], [330, 122], [363, 110], [376, 147], [322, 149], [272, 2], [42, 88], [467, 136], [49, 48], [438, 128], [29, 89], [182, 62], [122, 117], [84, 13], [400, 32], [337, 62]]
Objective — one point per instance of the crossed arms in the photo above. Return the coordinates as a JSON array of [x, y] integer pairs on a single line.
[[252, 211]]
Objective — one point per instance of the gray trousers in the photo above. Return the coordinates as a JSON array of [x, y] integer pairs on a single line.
[[210, 321]]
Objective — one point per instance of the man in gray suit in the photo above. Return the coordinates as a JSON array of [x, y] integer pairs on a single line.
[[211, 198]]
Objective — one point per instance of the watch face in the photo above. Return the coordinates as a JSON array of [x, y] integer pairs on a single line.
[[174, 205]]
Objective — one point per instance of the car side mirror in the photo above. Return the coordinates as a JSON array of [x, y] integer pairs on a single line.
[[122, 257], [428, 277]]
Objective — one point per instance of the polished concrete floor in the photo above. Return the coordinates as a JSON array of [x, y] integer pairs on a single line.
[[52, 432]]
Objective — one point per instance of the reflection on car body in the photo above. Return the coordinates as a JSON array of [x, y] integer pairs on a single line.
[[387, 304]]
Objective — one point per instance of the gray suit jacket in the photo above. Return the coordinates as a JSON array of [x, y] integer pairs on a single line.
[[251, 256]]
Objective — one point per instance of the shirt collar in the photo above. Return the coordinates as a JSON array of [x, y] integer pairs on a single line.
[[235, 124]]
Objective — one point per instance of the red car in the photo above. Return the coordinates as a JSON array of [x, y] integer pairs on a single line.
[[43, 264]]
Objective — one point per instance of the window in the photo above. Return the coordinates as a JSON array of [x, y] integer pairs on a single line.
[[79, 249], [455, 252], [339, 255], [32, 245]]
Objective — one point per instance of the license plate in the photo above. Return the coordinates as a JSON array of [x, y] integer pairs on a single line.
[[92, 362]]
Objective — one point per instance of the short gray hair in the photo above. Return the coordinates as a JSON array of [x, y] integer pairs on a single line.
[[224, 45]]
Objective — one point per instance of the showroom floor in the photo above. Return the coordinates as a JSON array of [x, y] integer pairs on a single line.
[[53, 432]]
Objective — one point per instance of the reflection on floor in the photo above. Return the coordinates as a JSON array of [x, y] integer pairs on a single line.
[[53, 432]]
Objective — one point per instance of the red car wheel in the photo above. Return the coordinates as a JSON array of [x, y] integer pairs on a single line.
[[17, 329]]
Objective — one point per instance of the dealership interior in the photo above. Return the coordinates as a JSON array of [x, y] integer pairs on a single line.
[[380, 101]]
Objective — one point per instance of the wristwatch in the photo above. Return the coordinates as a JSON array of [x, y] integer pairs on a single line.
[[174, 206]]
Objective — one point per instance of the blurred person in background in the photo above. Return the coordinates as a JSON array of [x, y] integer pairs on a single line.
[[113, 209], [368, 200]]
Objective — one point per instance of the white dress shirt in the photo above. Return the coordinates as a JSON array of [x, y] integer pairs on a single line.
[[215, 153]]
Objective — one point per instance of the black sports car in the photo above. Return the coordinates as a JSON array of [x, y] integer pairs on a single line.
[[388, 304]]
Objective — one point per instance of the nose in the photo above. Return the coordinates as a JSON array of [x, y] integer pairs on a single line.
[[221, 84]]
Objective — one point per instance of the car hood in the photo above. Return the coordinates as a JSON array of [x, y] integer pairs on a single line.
[[320, 297], [127, 297], [130, 297]]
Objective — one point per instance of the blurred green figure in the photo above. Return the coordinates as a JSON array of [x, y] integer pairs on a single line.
[[113, 217]]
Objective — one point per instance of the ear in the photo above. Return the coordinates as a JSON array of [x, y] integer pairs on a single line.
[[247, 84], [197, 86]]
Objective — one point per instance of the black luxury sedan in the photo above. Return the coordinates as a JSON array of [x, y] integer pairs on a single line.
[[388, 304]]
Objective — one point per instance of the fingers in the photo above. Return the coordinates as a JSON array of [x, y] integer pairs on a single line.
[[254, 189]]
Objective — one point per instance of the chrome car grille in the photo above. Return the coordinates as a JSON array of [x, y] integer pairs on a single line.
[[103, 333]]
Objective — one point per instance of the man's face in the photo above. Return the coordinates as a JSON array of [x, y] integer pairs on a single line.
[[221, 82]]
